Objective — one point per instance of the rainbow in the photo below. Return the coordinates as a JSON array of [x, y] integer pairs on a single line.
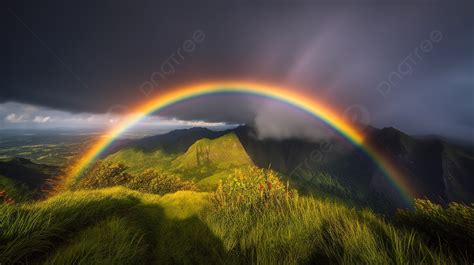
[[291, 97]]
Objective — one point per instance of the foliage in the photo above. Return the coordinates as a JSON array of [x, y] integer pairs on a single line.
[[256, 229], [104, 174], [452, 226], [159, 183], [108, 174], [252, 188]]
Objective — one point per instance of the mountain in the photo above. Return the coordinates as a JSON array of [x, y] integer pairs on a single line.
[[438, 170], [205, 161], [176, 141], [254, 215], [222, 153]]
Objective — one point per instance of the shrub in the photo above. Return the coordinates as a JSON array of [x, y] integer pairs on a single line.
[[452, 226], [252, 188], [107, 174], [159, 183], [103, 174]]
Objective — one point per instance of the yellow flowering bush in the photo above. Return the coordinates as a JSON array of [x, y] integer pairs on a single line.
[[252, 188]]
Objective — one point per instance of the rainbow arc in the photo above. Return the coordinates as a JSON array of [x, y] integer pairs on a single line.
[[287, 96]]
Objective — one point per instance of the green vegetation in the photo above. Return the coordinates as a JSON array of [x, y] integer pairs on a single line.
[[106, 174], [252, 189], [317, 182], [11, 191], [206, 161], [452, 226], [124, 245], [207, 157], [211, 205], [252, 217]]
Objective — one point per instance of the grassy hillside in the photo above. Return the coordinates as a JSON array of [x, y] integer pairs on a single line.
[[206, 161], [252, 218], [209, 157]]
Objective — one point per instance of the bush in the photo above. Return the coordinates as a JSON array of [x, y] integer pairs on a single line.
[[252, 188], [107, 174], [452, 226], [159, 183], [103, 174]]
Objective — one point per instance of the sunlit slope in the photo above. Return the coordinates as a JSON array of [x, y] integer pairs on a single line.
[[208, 157], [205, 159]]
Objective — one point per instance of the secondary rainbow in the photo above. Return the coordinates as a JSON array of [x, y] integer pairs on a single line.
[[288, 96]]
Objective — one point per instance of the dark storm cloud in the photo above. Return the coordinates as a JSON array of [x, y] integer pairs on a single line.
[[95, 57]]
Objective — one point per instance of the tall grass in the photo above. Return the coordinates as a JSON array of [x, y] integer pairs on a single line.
[[114, 241], [316, 231], [307, 230], [451, 226], [31, 230], [253, 218]]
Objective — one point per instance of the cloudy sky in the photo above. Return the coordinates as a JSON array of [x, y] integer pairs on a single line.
[[407, 64]]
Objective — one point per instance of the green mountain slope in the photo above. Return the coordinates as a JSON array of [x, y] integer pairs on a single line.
[[208, 157], [206, 161]]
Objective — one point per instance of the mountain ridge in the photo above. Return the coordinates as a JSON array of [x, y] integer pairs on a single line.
[[440, 172]]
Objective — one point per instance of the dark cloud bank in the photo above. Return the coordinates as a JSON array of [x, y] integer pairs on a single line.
[[406, 64]]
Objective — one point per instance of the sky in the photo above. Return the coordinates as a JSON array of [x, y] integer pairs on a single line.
[[405, 64]]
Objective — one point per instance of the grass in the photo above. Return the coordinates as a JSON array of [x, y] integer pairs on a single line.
[[452, 226], [31, 230], [121, 226], [315, 231], [114, 241], [13, 191], [288, 229]]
